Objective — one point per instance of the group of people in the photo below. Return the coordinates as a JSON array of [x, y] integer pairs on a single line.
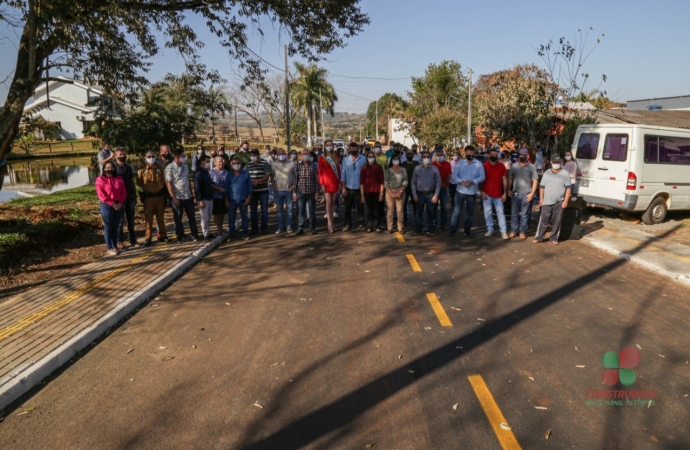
[[379, 187]]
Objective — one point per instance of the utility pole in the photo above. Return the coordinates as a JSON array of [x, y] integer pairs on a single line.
[[469, 110], [287, 103], [237, 132], [376, 136], [323, 128]]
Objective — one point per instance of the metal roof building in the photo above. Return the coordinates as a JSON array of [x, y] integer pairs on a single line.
[[665, 103]]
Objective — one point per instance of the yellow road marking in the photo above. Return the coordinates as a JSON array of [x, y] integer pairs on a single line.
[[399, 236], [438, 309], [413, 263], [47, 310], [493, 413]]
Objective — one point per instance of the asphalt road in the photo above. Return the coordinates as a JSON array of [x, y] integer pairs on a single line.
[[331, 341]]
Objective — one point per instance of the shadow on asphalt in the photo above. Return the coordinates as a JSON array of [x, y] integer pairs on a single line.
[[343, 411]]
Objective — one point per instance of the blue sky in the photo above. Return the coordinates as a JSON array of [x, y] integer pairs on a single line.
[[644, 53]]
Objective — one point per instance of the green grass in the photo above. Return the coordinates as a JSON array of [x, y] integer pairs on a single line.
[[12, 239], [61, 198]]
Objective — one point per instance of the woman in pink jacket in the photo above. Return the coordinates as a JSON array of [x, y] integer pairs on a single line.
[[112, 193]]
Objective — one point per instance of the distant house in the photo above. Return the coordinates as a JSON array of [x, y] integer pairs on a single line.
[[681, 102], [64, 102]]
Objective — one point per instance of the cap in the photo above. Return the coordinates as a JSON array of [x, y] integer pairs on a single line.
[[555, 158], [523, 151]]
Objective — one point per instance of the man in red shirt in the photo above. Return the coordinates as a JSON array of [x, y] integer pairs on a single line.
[[494, 191], [445, 170]]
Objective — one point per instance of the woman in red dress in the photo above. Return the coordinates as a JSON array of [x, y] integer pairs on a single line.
[[329, 179]]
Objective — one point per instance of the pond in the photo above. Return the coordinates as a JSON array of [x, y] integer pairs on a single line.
[[30, 178]]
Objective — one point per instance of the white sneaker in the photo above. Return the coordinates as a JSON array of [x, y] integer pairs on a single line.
[[489, 233], [325, 216], [505, 236], [335, 214], [289, 230], [279, 231]]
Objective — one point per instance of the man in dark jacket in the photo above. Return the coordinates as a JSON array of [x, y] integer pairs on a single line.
[[125, 171], [203, 191]]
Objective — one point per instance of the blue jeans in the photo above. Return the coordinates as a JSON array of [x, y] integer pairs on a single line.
[[302, 201], [111, 224], [259, 197], [519, 211], [497, 204], [232, 217], [424, 202], [187, 207], [283, 198], [443, 202], [466, 202], [128, 208]]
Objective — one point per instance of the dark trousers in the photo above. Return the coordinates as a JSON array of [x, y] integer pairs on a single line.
[[373, 209], [424, 202], [302, 201], [353, 196], [262, 198], [442, 205], [111, 224], [186, 207], [466, 202], [451, 191], [232, 217], [409, 200], [128, 208], [550, 215]]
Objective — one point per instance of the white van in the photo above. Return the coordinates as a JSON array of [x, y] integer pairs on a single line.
[[634, 168]]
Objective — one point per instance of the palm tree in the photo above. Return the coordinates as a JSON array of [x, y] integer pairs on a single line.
[[216, 102], [305, 90]]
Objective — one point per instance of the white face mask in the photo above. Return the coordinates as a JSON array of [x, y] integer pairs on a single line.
[[329, 148], [150, 160], [455, 157], [440, 158], [236, 166], [371, 160], [282, 157], [293, 157], [183, 159], [426, 160], [556, 166], [204, 166], [254, 158], [199, 150], [568, 158], [396, 162], [377, 150], [311, 159]]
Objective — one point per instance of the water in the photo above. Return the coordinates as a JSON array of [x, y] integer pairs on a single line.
[[44, 176]]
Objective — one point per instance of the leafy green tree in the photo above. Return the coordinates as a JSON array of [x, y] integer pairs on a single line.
[[390, 105], [27, 140], [310, 86], [111, 42], [216, 102]]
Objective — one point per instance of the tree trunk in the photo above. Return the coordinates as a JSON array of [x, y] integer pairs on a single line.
[[308, 124], [213, 126]]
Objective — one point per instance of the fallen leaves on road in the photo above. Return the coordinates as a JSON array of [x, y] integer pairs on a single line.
[[168, 358], [26, 410], [411, 371], [370, 445], [130, 351], [399, 356], [193, 346], [482, 320], [227, 303], [457, 309], [662, 356], [274, 364], [505, 426], [547, 435], [455, 406], [163, 348], [540, 407], [580, 367], [531, 378], [256, 403], [638, 346]]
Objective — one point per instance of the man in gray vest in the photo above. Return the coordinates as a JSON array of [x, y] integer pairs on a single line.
[[554, 194]]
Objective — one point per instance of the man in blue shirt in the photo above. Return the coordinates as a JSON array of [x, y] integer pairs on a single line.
[[351, 168], [238, 194], [467, 175]]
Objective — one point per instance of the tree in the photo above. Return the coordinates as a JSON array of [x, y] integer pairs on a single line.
[[273, 102], [111, 42], [216, 102], [439, 97], [249, 100], [389, 105], [27, 139], [307, 89]]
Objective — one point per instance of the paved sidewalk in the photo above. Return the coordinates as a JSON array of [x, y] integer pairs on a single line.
[[43, 328], [654, 253]]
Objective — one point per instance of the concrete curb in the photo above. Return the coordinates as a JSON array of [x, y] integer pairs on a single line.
[[638, 260], [29, 375]]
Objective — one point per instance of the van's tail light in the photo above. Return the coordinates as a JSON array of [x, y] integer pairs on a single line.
[[632, 182]]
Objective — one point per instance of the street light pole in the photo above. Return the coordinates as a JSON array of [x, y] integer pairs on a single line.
[[287, 103], [469, 109]]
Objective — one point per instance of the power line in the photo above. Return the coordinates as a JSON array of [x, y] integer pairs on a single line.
[[353, 95], [371, 78], [255, 54]]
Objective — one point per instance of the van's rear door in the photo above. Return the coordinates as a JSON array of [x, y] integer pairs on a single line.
[[587, 141], [611, 174]]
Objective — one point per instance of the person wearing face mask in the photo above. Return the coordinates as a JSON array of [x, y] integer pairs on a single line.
[[381, 158], [329, 180], [196, 156], [293, 156], [112, 193], [391, 150], [409, 165], [260, 172], [151, 179], [570, 166], [181, 201], [468, 175], [222, 154], [555, 189], [203, 191], [371, 189], [105, 155], [494, 191], [452, 186], [266, 156], [539, 159], [306, 191], [238, 193], [218, 175], [522, 181], [446, 172], [351, 170], [243, 154], [124, 170], [283, 186], [426, 186], [395, 182]]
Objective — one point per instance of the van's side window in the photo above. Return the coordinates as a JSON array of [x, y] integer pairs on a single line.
[[587, 146], [616, 147], [666, 150]]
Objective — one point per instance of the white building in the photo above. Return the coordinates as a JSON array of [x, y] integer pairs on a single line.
[[65, 102], [398, 132]]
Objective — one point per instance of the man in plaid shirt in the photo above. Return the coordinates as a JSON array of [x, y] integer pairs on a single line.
[[306, 183]]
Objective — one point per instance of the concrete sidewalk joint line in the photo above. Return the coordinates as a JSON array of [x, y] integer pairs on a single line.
[[438, 309], [413, 263], [505, 437]]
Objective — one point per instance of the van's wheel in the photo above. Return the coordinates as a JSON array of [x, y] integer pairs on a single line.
[[656, 213]]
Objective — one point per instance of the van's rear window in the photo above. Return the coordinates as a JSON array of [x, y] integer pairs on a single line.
[[616, 147], [587, 146], [666, 150]]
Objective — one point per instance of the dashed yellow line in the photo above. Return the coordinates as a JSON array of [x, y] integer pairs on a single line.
[[493, 413], [413, 263], [60, 303], [399, 236], [438, 309]]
